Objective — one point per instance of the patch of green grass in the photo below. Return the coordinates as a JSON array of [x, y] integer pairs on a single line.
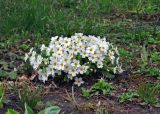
[[64, 17], [29, 96], [148, 94]]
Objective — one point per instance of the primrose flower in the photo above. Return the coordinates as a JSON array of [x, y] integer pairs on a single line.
[[50, 70], [73, 57], [75, 63], [78, 81], [73, 72], [67, 42], [90, 50], [54, 63]]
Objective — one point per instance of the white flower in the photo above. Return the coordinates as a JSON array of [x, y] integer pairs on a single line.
[[93, 59], [66, 59], [43, 47], [90, 50], [99, 64], [84, 54], [60, 66], [35, 65], [78, 81], [66, 68], [75, 63], [111, 56], [115, 70], [42, 76], [104, 47], [73, 56], [39, 59], [59, 53], [120, 70], [73, 72], [26, 57], [116, 50], [54, 63], [79, 34], [67, 42], [15, 69], [75, 50], [82, 69], [30, 51], [50, 70], [53, 39], [33, 54]]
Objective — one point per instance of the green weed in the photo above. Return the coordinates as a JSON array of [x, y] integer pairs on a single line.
[[29, 96], [148, 94], [128, 96], [102, 87]]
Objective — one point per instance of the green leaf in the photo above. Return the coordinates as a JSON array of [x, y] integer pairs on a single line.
[[13, 75], [144, 55], [73, 113], [24, 47], [1, 95], [51, 110], [11, 111], [1, 104], [4, 64], [28, 110], [3, 73]]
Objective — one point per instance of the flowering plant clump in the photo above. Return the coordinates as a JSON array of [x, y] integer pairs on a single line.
[[74, 57]]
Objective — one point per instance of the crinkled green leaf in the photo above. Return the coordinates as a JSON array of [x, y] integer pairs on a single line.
[[51, 110], [11, 111], [13, 75], [4, 64], [3, 73]]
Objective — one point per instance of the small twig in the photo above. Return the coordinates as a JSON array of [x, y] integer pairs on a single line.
[[72, 98]]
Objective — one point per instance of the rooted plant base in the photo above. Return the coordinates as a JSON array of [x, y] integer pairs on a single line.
[[62, 96]]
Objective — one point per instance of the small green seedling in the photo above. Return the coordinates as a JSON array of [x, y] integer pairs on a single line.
[[128, 96], [86, 93], [102, 87]]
